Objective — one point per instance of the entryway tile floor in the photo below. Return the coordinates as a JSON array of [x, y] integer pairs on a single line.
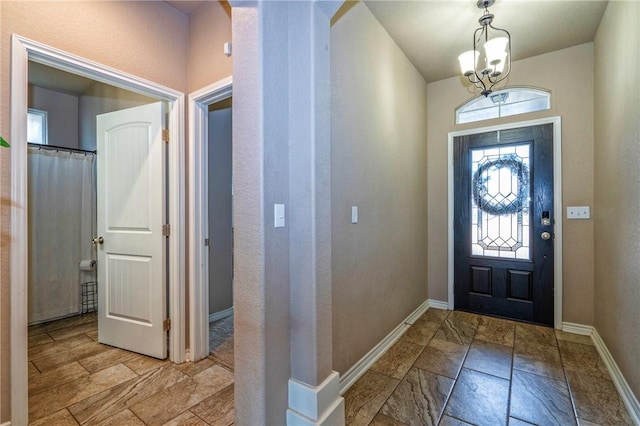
[[457, 368], [449, 368], [74, 380]]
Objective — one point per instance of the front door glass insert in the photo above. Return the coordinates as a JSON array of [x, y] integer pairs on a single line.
[[500, 224]]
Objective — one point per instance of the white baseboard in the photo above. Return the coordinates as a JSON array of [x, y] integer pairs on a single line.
[[361, 367], [335, 416], [216, 316], [571, 327], [438, 304], [413, 316], [319, 405], [629, 399]]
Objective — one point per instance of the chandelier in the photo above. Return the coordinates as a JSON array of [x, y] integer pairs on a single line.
[[496, 63]]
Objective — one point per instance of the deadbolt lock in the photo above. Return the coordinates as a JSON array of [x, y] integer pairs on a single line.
[[546, 218]]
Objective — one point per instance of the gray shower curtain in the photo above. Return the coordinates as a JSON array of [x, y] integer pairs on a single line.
[[61, 213]]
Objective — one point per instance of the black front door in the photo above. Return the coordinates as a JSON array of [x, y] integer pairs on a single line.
[[503, 223]]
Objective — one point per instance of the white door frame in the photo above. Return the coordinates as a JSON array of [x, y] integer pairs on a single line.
[[22, 51], [557, 205], [199, 102]]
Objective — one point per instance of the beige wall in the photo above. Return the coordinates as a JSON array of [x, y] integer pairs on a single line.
[[99, 99], [148, 39], [568, 74], [379, 161], [62, 115], [617, 186], [220, 210], [209, 29]]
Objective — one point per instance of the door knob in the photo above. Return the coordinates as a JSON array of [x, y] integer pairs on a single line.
[[97, 240], [545, 235]]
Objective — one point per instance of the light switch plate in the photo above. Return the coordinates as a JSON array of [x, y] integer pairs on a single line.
[[278, 214], [578, 212], [354, 214]]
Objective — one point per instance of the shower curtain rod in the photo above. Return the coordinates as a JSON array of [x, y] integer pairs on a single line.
[[61, 148]]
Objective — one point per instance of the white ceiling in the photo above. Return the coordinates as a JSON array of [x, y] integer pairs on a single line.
[[432, 33], [185, 6], [55, 79]]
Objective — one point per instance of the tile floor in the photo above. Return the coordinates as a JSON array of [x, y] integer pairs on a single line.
[[74, 380], [449, 368], [457, 368]]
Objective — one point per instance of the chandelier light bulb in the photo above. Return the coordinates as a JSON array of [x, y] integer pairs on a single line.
[[498, 65], [496, 50], [468, 61]]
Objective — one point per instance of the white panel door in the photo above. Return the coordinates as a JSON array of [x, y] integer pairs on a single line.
[[131, 212]]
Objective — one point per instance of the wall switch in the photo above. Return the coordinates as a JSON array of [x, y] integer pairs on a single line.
[[354, 214], [278, 214], [227, 48], [578, 212]]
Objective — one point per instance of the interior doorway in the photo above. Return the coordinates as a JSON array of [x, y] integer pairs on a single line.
[[220, 210], [24, 50], [62, 188], [220, 235], [216, 100]]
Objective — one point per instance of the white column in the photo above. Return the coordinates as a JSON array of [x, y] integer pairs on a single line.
[[314, 397], [282, 285]]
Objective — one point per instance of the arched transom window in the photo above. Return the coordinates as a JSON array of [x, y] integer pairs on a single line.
[[503, 103]]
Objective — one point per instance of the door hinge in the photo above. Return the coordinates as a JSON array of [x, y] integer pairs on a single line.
[[166, 324], [166, 230], [206, 242], [165, 135]]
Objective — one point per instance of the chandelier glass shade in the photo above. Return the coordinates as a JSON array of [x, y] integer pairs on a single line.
[[484, 70]]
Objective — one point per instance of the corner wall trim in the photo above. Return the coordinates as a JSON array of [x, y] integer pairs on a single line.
[[316, 405], [570, 327], [361, 367], [629, 399], [413, 316], [217, 316], [438, 304]]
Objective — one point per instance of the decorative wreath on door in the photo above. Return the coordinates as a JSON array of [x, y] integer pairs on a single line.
[[500, 204]]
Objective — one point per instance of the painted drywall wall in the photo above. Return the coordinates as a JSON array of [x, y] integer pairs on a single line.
[[261, 252], [101, 98], [209, 29], [72, 118], [379, 164], [568, 74], [62, 115], [146, 39], [220, 211], [616, 186]]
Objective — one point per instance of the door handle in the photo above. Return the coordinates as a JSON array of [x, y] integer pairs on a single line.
[[545, 235], [97, 240]]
